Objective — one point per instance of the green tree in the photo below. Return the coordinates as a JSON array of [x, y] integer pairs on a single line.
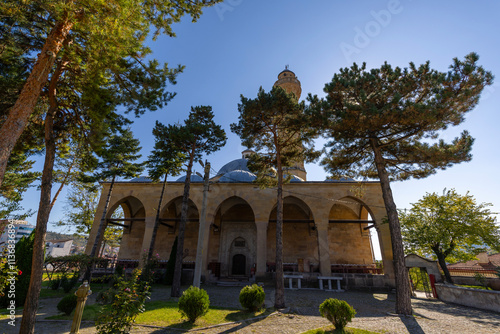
[[451, 226], [384, 124], [107, 33], [117, 160], [275, 126], [18, 178], [197, 136], [164, 160]]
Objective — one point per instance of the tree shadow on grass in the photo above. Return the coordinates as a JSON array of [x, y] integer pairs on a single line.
[[244, 315]]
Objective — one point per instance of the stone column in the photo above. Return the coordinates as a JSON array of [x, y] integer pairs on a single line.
[[325, 266], [204, 262], [261, 245], [147, 238]]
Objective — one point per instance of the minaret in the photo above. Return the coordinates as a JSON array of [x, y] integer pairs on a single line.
[[289, 82]]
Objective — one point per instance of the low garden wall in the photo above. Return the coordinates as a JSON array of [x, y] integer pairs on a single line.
[[482, 299]]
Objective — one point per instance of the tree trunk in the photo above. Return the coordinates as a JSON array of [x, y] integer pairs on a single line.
[[176, 284], [100, 233], [19, 114], [31, 304], [442, 263], [403, 293], [279, 297], [157, 222]]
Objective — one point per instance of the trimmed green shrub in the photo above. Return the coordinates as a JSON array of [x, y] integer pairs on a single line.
[[67, 304], [338, 312], [193, 303], [252, 297]]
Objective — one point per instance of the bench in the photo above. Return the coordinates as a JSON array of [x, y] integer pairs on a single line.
[[291, 278], [330, 279]]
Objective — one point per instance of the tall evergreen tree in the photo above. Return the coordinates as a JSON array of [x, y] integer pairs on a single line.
[[117, 160], [274, 125], [107, 33], [188, 142], [164, 160], [384, 124]]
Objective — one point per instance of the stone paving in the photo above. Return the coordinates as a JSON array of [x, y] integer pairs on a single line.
[[374, 312]]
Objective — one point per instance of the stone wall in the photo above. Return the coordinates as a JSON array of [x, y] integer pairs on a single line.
[[482, 299]]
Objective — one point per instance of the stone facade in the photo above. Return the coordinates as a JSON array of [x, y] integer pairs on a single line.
[[325, 223]]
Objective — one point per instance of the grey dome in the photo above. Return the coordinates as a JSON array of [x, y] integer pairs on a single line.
[[141, 179], [238, 164], [194, 178], [237, 176]]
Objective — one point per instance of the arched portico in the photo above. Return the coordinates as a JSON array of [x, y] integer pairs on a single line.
[[232, 232], [300, 238], [168, 230], [133, 223]]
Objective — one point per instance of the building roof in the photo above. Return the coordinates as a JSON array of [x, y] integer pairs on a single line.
[[141, 179], [238, 164], [237, 176], [193, 178], [493, 262]]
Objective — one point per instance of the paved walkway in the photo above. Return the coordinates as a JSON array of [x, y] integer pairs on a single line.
[[373, 313]]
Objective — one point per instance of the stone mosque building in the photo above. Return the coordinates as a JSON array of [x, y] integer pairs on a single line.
[[326, 228]]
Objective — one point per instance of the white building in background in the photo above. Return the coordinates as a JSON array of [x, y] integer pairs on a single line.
[[13, 229], [55, 248]]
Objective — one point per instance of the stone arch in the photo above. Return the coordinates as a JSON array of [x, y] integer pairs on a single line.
[[300, 236], [168, 229], [348, 221], [133, 226], [233, 220]]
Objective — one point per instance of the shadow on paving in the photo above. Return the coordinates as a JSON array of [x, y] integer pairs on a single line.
[[366, 304], [479, 316]]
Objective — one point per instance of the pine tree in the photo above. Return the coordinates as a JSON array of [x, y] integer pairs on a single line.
[[164, 160], [275, 126], [197, 136], [117, 160], [383, 123], [106, 34]]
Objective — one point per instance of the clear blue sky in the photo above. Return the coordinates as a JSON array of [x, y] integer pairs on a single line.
[[240, 45]]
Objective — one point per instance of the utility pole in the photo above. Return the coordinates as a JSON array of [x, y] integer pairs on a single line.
[[201, 229]]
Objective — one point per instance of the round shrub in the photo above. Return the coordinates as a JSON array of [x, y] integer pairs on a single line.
[[193, 303], [67, 304], [338, 312], [252, 297]]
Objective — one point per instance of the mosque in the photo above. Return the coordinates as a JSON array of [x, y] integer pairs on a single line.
[[326, 228]]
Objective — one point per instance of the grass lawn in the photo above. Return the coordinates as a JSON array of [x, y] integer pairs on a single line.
[[165, 314], [332, 330]]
